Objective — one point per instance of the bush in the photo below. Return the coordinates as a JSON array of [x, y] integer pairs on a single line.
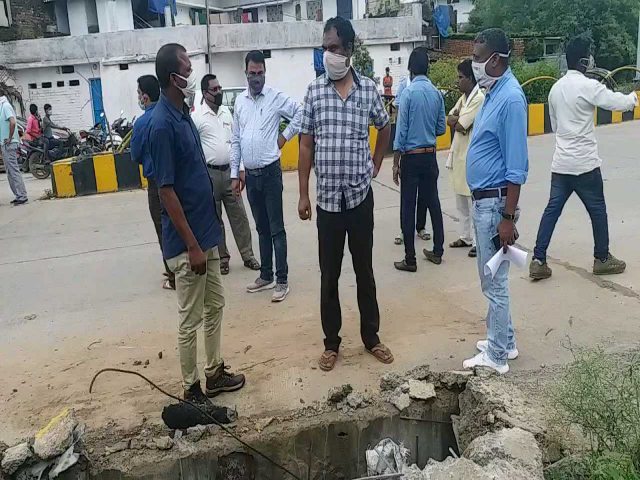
[[601, 395], [538, 91], [444, 75]]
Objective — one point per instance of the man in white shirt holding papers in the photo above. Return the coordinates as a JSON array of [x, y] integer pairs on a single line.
[[213, 121], [576, 163]]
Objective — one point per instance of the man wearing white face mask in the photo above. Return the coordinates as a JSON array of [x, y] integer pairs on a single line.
[[190, 225], [497, 166], [576, 163], [335, 140]]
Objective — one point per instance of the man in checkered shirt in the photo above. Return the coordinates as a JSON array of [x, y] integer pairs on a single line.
[[335, 139]]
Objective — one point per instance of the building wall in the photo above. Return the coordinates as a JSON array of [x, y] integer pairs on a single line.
[[71, 104], [396, 60], [62, 17], [29, 19], [114, 15], [77, 17], [463, 7]]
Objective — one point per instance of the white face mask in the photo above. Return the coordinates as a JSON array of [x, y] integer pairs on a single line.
[[189, 91], [588, 63], [480, 71], [336, 66]]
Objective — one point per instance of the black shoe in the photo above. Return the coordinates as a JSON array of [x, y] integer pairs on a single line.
[[195, 395], [473, 253], [20, 202], [432, 257], [405, 267], [223, 381]]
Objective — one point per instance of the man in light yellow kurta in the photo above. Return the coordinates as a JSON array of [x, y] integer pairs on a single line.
[[461, 119]]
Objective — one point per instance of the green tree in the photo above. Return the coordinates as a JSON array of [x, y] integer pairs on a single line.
[[362, 61], [612, 23]]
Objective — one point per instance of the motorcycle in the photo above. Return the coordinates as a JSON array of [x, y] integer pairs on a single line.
[[69, 147], [94, 138]]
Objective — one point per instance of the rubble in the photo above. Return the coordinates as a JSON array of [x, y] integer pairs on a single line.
[[338, 394], [355, 400], [118, 447], [14, 457], [455, 469], [420, 390], [400, 400], [54, 439], [263, 423], [163, 443]]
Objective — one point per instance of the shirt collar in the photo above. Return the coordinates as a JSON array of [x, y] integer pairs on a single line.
[[356, 77], [177, 114], [247, 92], [498, 85]]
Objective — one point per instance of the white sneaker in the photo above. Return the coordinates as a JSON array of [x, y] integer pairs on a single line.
[[260, 285], [424, 235], [482, 345], [280, 293], [483, 360]]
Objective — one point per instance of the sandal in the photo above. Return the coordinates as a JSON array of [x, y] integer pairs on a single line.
[[224, 268], [424, 235], [168, 285], [398, 240], [382, 353], [459, 243], [252, 264], [328, 360]]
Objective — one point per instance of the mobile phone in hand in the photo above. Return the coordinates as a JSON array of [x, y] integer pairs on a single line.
[[496, 241]]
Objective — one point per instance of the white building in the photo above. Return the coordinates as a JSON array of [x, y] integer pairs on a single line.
[[82, 75], [461, 8]]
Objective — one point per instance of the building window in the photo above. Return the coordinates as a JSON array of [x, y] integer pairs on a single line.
[[33, 85], [345, 9], [298, 12], [124, 66], [395, 47], [67, 69], [274, 13], [46, 84], [266, 53], [551, 47], [59, 84], [314, 10], [74, 83], [5, 13]]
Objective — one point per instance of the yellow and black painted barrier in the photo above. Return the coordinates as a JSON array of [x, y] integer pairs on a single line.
[[98, 173]]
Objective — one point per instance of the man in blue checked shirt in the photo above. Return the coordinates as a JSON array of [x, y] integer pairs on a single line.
[[497, 166], [421, 119]]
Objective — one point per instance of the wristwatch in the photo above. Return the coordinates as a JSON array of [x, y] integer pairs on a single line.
[[508, 216]]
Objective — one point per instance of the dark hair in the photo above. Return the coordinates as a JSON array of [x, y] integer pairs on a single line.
[[578, 47], [167, 62], [33, 108], [344, 30], [204, 83], [255, 56], [149, 84], [465, 68], [494, 38], [419, 61], [387, 69], [47, 106]]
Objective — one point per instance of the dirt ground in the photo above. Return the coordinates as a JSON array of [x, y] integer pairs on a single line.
[[82, 292]]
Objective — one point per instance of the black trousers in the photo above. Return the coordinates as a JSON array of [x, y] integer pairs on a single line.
[[357, 223], [155, 209], [419, 172]]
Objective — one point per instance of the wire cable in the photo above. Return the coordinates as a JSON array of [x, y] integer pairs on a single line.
[[182, 400]]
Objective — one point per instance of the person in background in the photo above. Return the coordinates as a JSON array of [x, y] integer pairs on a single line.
[[9, 147], [576, 164], [213, 121], [387, 83], [148, 95], [460, 120], [190, 225], [334, 139], [497, 166], [47, 131], [420, 121], [257, 141], [33, 131]]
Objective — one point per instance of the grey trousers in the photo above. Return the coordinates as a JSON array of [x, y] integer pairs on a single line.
[[14, 175], [234, 206]]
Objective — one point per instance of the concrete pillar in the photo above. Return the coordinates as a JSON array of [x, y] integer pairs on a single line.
[[77, 10]]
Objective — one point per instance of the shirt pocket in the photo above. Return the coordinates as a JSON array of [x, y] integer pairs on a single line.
[[357, 121]]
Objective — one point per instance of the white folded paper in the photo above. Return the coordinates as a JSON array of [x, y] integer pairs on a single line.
[[515, 255]]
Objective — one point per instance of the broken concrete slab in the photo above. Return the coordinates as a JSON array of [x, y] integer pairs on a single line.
[[400, 400], [14, 457], [515, 446], [55, 438], [421, 390], [118, 447], [454, 469], [338, 394], [356, 400], [163, 443]]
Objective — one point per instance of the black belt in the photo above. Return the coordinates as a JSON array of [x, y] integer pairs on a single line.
[[489, 193], [218, 167], [259, 171]]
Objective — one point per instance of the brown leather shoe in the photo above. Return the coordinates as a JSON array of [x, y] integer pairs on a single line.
[[224, 381]]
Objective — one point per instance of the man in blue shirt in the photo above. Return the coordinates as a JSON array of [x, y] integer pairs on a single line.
[[148, 94], [497, 165], [421, 119], [190, 224]]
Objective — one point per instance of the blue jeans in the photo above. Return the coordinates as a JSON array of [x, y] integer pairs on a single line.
[[487, 214], [589, 188], [264, 190]]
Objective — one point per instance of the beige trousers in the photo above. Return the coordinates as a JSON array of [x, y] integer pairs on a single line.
[[200, 301]]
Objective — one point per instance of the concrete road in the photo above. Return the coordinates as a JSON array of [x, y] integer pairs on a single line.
[[81, 291]]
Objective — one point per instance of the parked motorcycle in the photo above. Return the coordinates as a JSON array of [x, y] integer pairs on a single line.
[[69, 147]]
